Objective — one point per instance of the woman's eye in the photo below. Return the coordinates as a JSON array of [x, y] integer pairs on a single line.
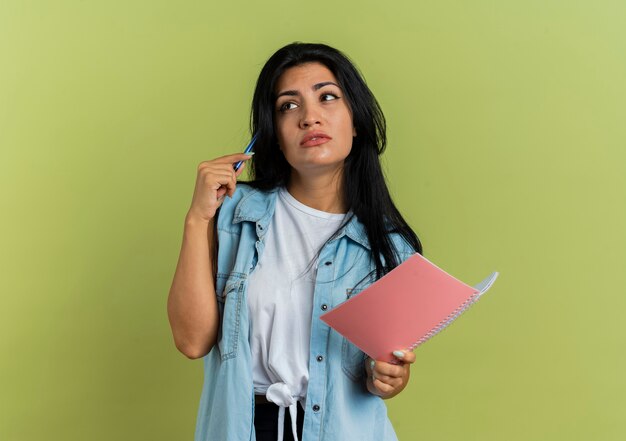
[[329, 97], [286, 106]]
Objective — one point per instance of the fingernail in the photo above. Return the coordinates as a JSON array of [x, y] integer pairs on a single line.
[[398, 354], [372, 364], [250, 153]]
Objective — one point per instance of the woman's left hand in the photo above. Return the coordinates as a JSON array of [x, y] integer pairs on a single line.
[[388, 380]]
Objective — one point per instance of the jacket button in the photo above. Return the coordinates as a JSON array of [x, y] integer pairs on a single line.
[[316, 408], [328, 263], [324, 307], [320, 358]]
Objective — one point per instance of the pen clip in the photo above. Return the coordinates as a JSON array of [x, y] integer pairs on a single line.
[[247, 150]]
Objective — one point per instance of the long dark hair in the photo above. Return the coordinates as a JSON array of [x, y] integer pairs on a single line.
[[364, 187]]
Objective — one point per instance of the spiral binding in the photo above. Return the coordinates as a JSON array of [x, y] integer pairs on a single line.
[[445, 322]]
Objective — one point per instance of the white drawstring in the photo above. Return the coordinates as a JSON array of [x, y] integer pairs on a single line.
[[279, 394]]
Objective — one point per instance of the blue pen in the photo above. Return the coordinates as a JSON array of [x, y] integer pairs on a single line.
[[247, 150]]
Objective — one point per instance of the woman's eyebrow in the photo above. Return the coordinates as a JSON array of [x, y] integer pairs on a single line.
[[315, 87]]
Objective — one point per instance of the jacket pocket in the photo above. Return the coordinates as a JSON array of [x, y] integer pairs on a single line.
[[352, 358], [229, 303], [352, 361]]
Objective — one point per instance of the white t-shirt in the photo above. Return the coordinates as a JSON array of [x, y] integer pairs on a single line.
[[280, 300]]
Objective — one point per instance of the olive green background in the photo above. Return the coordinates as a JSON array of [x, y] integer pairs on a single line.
[[506, 152]]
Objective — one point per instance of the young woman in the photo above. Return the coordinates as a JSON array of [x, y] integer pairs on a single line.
[[262, 260]]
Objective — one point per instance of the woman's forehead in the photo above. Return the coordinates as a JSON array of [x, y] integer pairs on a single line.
[[304, 75]]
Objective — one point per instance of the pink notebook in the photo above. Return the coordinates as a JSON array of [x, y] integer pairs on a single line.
[[410, 304]]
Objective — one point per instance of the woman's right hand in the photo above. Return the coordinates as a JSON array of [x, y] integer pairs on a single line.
[[215, 180]]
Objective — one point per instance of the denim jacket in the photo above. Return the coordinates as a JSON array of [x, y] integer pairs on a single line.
[[338, 404]]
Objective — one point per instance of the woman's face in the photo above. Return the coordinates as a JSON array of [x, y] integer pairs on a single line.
[[313, 120]]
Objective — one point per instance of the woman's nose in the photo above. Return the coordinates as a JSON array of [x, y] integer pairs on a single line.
[[310, 116]]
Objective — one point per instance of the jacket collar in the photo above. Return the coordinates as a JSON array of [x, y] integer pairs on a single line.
[[258, 206]]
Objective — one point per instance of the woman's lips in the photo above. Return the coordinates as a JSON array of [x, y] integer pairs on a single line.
[[314, 138], [315, 141]]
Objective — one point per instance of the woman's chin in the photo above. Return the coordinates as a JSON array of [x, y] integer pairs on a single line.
[[316, 171]]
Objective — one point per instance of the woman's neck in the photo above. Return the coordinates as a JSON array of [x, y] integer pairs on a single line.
[[322, 192]]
